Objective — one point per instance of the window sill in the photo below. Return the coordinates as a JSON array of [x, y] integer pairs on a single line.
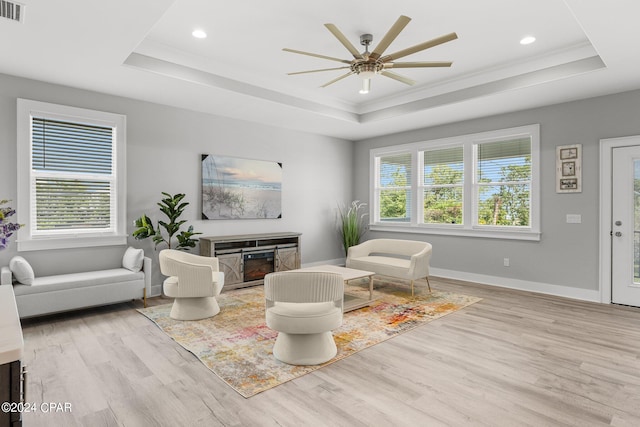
[[70, 242], [460, 232]]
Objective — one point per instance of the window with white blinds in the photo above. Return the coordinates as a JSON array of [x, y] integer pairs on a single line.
[[393, 187], [72, 186], [72, 176], [443, 185], [504, 182], [484, 184]]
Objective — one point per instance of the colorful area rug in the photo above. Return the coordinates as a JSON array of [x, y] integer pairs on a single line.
[[237, 345]]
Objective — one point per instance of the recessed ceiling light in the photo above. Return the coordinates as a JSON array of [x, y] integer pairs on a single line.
[[527, 40], [199, 34]]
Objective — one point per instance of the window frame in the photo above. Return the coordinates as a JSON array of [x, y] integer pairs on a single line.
[[28, 238], [378, 188], [470, 226], [422, 186]]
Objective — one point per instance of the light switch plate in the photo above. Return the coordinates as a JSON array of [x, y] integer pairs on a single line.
[[574, 218]]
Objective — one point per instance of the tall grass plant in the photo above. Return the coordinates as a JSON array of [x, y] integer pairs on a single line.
[[352, 223]]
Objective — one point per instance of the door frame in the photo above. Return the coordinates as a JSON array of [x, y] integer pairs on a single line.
[[606, 200]]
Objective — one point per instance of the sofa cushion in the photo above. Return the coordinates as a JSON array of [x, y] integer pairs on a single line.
[[383, 265], [21, 270], [395, 246], [133, 259], [76, 280]]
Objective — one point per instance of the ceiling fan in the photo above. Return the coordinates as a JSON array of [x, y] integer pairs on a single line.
[[368, 64]]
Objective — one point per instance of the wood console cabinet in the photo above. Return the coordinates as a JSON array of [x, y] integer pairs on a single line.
[[246, 259]]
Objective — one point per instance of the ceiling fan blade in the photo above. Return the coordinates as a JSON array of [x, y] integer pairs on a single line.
[[390, 36], [420, 47], [345, 42], [337, 79], [316, 71], [417, 64], [399, 78], [330, 58]]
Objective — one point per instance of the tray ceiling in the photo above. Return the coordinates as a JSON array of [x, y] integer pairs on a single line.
[[145, 50]]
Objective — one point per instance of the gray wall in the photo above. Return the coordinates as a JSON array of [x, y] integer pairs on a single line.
[[164, 145], [567, 254], [163, 154]]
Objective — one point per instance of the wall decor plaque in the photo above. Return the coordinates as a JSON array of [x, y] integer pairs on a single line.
[[569, 168]]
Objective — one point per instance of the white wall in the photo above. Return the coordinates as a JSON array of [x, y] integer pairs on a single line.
[[567, 255], [164, 145]]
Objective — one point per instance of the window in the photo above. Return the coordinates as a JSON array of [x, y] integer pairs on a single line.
[[443, 185], [394, 187], [503, 171], [71, 187], [473, 185]]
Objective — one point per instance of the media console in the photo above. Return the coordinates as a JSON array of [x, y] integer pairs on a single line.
[[245, 259]]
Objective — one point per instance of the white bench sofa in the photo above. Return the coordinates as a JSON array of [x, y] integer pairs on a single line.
[[64, 292], [403, 259]]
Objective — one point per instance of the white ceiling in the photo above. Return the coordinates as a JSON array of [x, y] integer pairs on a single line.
[[143, 49]]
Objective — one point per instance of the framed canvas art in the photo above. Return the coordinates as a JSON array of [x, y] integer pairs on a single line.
[[235, 188]]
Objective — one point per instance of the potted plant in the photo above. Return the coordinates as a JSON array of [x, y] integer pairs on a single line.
[[352, 224], [172, 207]]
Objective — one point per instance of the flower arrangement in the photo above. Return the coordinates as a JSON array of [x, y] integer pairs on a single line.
[[7, 228]]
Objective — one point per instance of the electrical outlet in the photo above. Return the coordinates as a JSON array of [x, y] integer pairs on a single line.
[[506, 262]]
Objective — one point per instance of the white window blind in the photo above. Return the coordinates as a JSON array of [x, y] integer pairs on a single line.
[[72, 175]]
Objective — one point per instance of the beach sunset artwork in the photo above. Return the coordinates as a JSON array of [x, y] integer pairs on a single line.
[[234, 188]]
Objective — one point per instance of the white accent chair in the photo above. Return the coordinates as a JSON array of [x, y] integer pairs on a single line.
[[194, 281], [304, 307], [404, 259]]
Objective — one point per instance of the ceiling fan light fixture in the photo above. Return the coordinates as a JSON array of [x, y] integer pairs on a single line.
[[366, 86], [366, 75], [369, 64], [366, 69]]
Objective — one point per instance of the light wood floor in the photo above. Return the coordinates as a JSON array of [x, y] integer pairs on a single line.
[[513, 359]]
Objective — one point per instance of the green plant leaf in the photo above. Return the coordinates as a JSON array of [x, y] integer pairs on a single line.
[[172, 208], [145, 228]]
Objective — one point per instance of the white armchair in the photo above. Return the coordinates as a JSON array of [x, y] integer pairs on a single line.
[[194, 281], [304, 307], [404, 259]]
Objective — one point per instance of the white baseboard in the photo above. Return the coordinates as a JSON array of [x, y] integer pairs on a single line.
[[156, 290], [503, 282], [337, 261], [522, 285]]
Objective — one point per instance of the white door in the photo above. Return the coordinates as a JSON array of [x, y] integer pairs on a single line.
[[625, 215]]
